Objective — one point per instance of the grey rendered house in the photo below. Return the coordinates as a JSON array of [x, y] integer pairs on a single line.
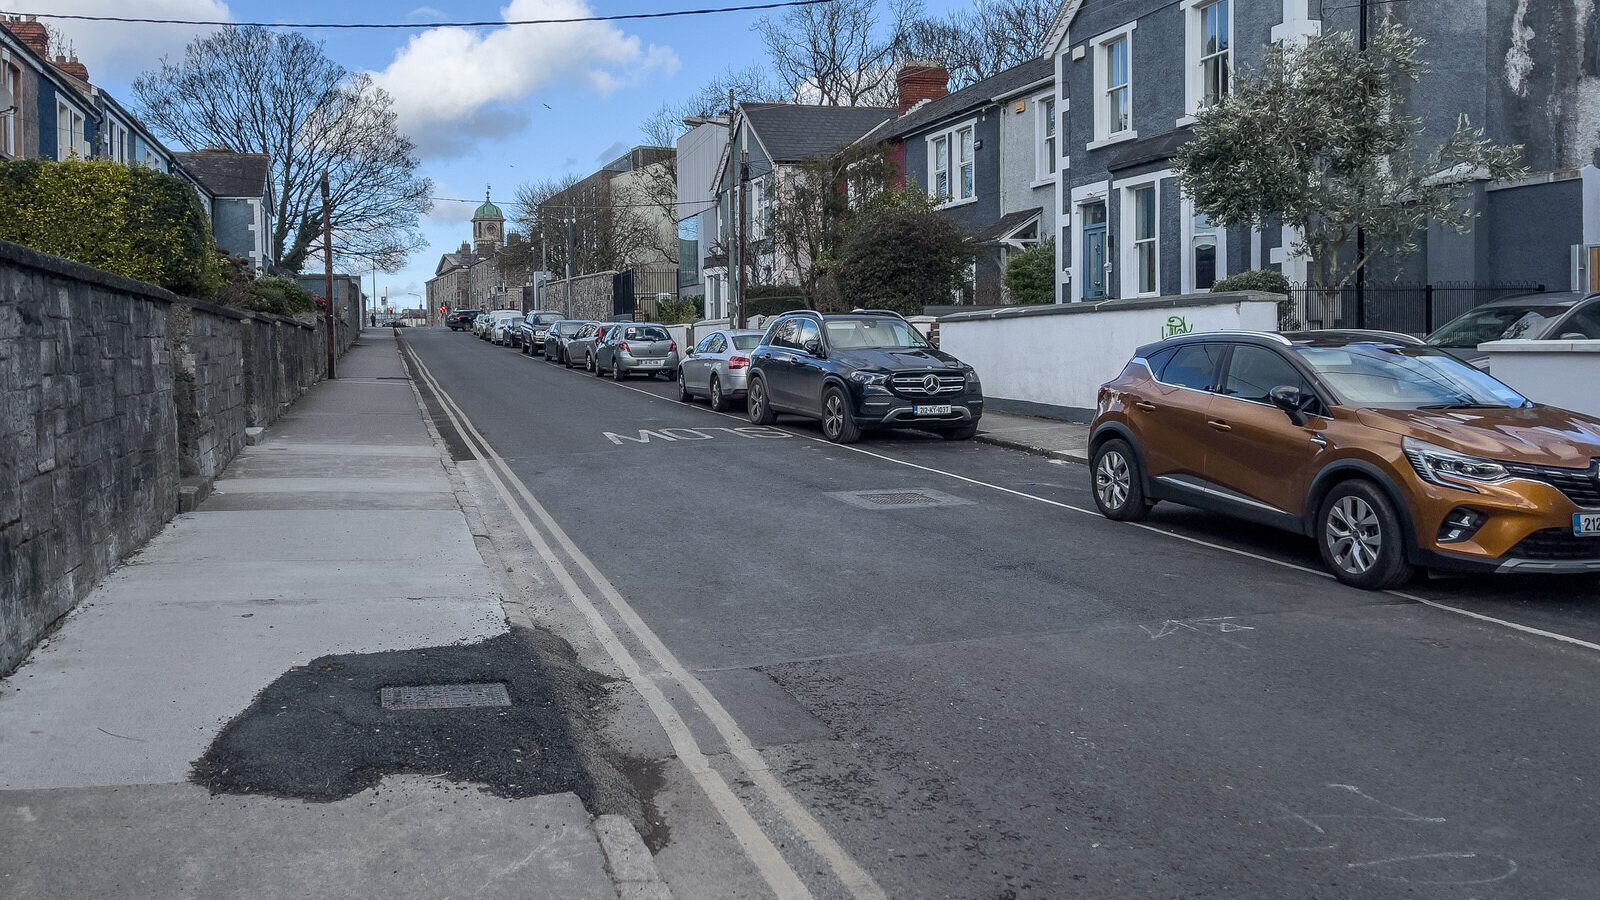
[[976, 152], [239, 186], [777, 137], [1131, 76]]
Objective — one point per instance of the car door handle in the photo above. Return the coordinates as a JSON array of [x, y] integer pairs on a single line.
[[1219, 425], [1145, 405]]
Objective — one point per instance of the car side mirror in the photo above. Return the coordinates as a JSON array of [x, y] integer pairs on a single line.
[[1291, 401], [813, 347]]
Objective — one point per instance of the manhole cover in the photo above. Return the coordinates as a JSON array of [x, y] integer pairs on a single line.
[[898, 499], [444, 696]]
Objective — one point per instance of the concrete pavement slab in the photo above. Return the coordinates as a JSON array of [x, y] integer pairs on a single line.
[[1046, 437], [411, 837]]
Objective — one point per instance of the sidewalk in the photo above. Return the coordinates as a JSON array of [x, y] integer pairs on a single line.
[[1046, 437], [339, 533]]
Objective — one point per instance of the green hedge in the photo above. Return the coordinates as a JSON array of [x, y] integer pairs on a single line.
[[129, 220], [1257, 280]]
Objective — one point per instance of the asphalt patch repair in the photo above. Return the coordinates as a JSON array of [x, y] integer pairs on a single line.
[[319, 732]]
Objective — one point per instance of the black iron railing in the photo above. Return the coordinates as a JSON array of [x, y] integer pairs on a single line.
[[1405, 307]]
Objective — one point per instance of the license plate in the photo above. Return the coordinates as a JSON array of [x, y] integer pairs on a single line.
[[933, 409], [1586, 524], [649, 362]]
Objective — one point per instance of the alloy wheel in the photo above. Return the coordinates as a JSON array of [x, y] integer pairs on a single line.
[[1354, 535], [1113, 480], [833, 415], [758, 400], [716, 393]]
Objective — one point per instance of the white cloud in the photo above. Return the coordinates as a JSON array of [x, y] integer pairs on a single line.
[[453, 86], [425, 14], [117, 51]]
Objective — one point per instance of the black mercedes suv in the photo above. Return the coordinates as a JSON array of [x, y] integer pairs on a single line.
[[859, 370]]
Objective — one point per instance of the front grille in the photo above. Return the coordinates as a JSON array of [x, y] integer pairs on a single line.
[[916, 384], [1582, 486], [1557, 545]]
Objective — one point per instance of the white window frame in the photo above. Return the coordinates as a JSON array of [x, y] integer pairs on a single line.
[[10, 96], [1046, 138], [1128, 254], [1100, 49], [1194, 61], [76, 124], [1187, 211], [952, 166], [759, 208]]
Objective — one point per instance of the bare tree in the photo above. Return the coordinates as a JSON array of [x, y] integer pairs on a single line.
[[975, 43], [841, 53], [256, 91], [545, 224]]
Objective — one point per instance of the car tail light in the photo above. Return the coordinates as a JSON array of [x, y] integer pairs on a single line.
[[738, 362], [672, 347], [623, 346]]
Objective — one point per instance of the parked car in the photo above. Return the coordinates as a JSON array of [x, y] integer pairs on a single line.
[[480, 325], [1568, 316], [558, 337], [581, 349], [532, 328], [630, 347], [501, 323], [1391, 455], [461, 319], [716, 367], [859, 370]]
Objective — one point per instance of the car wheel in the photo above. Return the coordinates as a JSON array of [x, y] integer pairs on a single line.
[[719, 401], [594, 367], [617, 372], [683, 389], [1361, 537], [1119, 482], [838, 423], [759, 408], [566, 361], [960, 434]]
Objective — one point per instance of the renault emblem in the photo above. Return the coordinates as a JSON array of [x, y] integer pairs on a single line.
[[930, 383]]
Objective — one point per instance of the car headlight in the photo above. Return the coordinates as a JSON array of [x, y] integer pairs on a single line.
[[869, 377], [1448, 468]]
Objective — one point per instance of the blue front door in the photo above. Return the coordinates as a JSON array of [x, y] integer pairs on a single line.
[[1093, 270]]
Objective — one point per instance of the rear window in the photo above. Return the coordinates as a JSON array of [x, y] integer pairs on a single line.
[[746, 341], [645, 334]]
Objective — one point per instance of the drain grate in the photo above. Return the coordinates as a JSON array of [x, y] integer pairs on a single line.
[[918, 499], [444, 696]]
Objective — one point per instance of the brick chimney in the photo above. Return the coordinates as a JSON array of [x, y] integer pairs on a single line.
[[30, 31], [920, 80], [71, 66]]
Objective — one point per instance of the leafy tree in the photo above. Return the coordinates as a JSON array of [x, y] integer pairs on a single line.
[[132, 221], [258, 91], [1317, 137], [1030, 275], [899, 254], [808, 213]]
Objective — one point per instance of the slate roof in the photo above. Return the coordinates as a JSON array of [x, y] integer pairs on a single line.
[[792, 132], [1155, 149], [228, 174], [1008, 223], [973, 96]]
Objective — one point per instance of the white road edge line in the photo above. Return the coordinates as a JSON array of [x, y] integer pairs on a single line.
[[1445, 607], [758, 846]]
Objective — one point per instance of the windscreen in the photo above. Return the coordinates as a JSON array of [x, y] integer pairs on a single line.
[[1406, 377], [546, 318], [874, 333], [1495, 323]]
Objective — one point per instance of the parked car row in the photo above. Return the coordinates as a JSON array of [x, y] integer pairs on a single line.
[[618, 349]]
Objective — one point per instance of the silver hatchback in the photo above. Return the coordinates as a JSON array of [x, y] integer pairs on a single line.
[[629, 348], [716, 367]]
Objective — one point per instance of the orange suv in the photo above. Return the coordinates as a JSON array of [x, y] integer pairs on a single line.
[[1393, 455]]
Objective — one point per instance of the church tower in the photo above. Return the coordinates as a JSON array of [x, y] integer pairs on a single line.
[[488, 228]]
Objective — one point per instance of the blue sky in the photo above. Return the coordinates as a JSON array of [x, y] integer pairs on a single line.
[[490, 106]]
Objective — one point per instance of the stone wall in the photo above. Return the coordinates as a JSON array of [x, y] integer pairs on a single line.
[[113, 394], [593, 296]]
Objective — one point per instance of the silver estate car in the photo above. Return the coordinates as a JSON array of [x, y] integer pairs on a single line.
[[1565, 316], [716, 367], [646, 348]]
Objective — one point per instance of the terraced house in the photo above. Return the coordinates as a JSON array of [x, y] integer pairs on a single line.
[[49, 109], [1132, 74]]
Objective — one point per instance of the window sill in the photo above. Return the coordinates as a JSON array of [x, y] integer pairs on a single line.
[[1043, 182], [1117, 138], [950, 204], [1185, 121]]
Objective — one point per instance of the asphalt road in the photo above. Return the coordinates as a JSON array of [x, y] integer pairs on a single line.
[[1005, 695]]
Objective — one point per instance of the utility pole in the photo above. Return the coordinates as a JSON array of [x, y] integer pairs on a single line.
[[744, 221], [735, 298], [571, 243], [1361, 233], [327, 257]]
